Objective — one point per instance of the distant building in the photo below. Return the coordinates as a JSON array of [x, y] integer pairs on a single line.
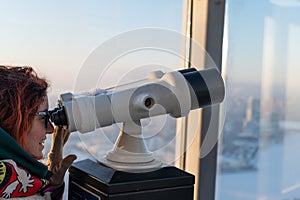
[[252, 111], [252, 118]]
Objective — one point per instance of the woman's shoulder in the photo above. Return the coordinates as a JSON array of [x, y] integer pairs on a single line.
[[16, 181]]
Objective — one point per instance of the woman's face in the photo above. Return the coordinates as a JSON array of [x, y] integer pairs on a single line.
[[37, 133]]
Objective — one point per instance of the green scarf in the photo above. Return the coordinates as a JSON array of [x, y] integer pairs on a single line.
[[10, 149]]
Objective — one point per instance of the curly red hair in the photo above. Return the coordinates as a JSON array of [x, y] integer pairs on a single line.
[[21, 93]]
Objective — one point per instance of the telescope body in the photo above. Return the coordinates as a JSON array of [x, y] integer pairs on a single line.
[[174, 93]]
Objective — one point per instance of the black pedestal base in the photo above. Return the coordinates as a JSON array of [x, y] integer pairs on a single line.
[[93, 181]]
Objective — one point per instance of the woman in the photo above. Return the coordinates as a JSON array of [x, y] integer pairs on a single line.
[[24, 124]]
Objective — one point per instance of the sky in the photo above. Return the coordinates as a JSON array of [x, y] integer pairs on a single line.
[[272, 22], [56, 37]]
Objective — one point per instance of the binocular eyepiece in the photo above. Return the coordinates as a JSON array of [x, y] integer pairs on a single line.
[[58, 116]]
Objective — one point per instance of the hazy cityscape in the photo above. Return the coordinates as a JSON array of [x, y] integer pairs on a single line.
[[245, 132], [258, 153]]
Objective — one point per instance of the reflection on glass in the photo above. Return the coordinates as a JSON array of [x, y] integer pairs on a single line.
[[258, 156]]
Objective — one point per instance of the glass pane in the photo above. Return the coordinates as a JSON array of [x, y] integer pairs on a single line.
[[259, 151]]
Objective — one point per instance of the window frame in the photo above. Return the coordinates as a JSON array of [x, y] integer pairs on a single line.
[[203, 22]]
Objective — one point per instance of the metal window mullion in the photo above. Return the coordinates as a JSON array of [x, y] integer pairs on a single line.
[[203, 22], [207, 24], [214, 40]]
